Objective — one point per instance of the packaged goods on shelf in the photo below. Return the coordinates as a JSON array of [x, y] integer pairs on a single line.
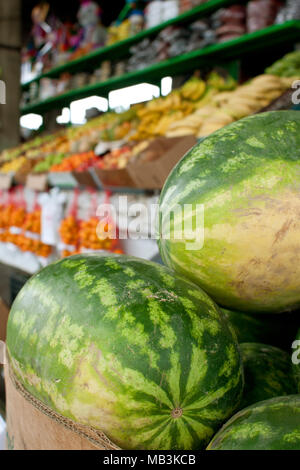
[[185, 5], [224, 25], [153, 14], [291, 11], [71, 41], [230, 23]]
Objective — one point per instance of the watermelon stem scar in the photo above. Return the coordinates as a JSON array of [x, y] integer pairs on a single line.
[[177, 413]]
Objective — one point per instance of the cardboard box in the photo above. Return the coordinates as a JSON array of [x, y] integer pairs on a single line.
[[85, 178], [152, 174], [21, 175], [4, 312], [116, 177], [6, 180], [29, 427], [38, 182]]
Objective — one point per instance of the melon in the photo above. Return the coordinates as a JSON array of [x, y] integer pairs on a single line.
[[229, 214], [276, 330], [268, 373], [121, 345], [268, 425]]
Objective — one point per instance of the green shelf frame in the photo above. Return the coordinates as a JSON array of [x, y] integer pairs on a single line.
[[121, 49], [210, 55]]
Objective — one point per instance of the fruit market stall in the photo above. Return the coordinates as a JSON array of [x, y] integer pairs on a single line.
[[177, 382], [129, 153]]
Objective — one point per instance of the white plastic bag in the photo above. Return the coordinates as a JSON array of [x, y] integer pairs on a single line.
[[52, 214]]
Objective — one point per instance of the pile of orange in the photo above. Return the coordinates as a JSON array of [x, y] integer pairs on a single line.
[[26, 244], [73, 162], [32, 222], [96, 235], [69, 230]]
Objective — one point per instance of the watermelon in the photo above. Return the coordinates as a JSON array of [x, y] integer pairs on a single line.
[[268, 373], [277, 330], [268, 425], [296, 360], [241, 186], [123, 346]]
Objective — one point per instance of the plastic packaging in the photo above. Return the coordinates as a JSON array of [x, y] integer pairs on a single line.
[[261, 13], [136, 20]]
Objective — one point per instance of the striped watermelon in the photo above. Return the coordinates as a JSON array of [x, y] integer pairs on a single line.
[[120, 344], [268, 425], [246, 176], [276, 330], [296, 361], [268, 373]]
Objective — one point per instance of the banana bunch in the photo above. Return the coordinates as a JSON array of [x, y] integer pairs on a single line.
[[157, 115], [200, 109], [214, 122], [252, 97], [193, 89], [13, 166], [244, 101], [187, 126]]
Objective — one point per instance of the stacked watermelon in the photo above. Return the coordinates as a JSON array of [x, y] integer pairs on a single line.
[[122, 345], [245, 180], [268, 373], [268, 425], [140, 351], [246, 177]]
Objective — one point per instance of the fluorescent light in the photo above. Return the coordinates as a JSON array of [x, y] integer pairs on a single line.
[[166, 86], [125, 97], [79, 108], [31, 121], [65, 116]]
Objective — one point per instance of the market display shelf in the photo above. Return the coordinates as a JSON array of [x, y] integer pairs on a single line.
[[217, 53], [121, 48]]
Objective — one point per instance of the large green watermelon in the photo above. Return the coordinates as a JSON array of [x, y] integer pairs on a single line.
[[268, 425], [246, 179], [268, 373], [296, 360], [276, 330], [120, 344]]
